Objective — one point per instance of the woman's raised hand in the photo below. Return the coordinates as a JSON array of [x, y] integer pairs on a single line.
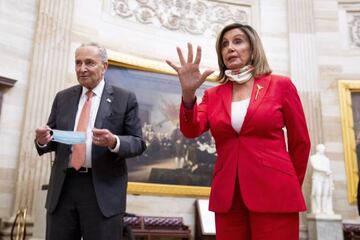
[[189, 73]]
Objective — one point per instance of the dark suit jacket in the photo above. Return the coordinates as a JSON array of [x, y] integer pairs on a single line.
[[270, 175], [118, 112]]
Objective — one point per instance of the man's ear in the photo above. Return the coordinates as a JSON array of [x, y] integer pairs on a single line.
[[106, 64]]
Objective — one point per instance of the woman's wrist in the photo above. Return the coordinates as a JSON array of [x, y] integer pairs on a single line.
[[188, 99]]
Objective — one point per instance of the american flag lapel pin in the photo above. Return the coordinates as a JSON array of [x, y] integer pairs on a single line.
[[259, 87]]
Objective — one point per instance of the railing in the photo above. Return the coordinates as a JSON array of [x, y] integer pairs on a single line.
[[19, 226], [149, 227]]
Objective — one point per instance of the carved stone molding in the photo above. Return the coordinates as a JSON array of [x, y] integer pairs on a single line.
[[195, 17], [6, 82], [354, 28], [349, 23]]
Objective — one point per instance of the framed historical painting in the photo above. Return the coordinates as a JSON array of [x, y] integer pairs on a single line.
[[349, 92], [171, 164]]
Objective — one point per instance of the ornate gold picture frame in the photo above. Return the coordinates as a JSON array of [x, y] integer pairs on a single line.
[[159, 170], [349, 93]]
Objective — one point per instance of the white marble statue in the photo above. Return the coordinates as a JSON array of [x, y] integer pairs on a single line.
[[322, 183]]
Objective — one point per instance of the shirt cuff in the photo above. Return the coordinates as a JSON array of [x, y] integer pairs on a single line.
[[117, 146], [39, 145]]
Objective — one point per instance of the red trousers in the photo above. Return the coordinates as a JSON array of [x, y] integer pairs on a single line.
[[241, 224]]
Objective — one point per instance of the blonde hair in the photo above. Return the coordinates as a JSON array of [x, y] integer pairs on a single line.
[[258, 57]]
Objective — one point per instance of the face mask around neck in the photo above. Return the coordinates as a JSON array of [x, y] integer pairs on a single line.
[[240, 76]]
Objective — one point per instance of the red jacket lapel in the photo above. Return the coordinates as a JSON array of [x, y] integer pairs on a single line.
[[226, 95], [260, 87]]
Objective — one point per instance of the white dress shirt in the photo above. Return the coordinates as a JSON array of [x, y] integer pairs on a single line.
[[238, 112], [98, 90]]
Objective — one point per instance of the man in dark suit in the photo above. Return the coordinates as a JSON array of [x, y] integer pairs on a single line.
[[87, 189]]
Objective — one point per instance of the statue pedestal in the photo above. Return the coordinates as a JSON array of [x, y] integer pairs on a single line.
[[325, 227]]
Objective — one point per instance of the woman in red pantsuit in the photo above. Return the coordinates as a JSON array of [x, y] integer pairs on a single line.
[[256, 188]]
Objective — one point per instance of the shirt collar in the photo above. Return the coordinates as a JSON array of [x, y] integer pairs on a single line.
[[97, 90]]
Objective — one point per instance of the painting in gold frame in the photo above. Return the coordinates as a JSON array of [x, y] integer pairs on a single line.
[[162, 170], [349, 93]]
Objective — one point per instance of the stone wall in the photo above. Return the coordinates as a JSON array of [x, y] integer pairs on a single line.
[[338, 58], [17, 24]]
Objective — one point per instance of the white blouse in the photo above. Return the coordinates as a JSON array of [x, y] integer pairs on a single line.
[[238, 112]]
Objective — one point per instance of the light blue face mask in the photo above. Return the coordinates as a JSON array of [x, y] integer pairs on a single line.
[[68, 137]]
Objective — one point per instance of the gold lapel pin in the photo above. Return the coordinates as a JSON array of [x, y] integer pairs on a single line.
[[258, 90]]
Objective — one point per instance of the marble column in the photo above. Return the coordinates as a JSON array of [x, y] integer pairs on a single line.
[[304, 63], [47, 75], [305, 74]]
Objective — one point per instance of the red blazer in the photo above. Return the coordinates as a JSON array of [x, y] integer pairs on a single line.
[[270, 176]]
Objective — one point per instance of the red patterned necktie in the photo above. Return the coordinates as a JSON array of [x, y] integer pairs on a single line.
[[79, 150]]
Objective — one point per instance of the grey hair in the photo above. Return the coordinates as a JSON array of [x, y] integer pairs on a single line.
[[102, 50]]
